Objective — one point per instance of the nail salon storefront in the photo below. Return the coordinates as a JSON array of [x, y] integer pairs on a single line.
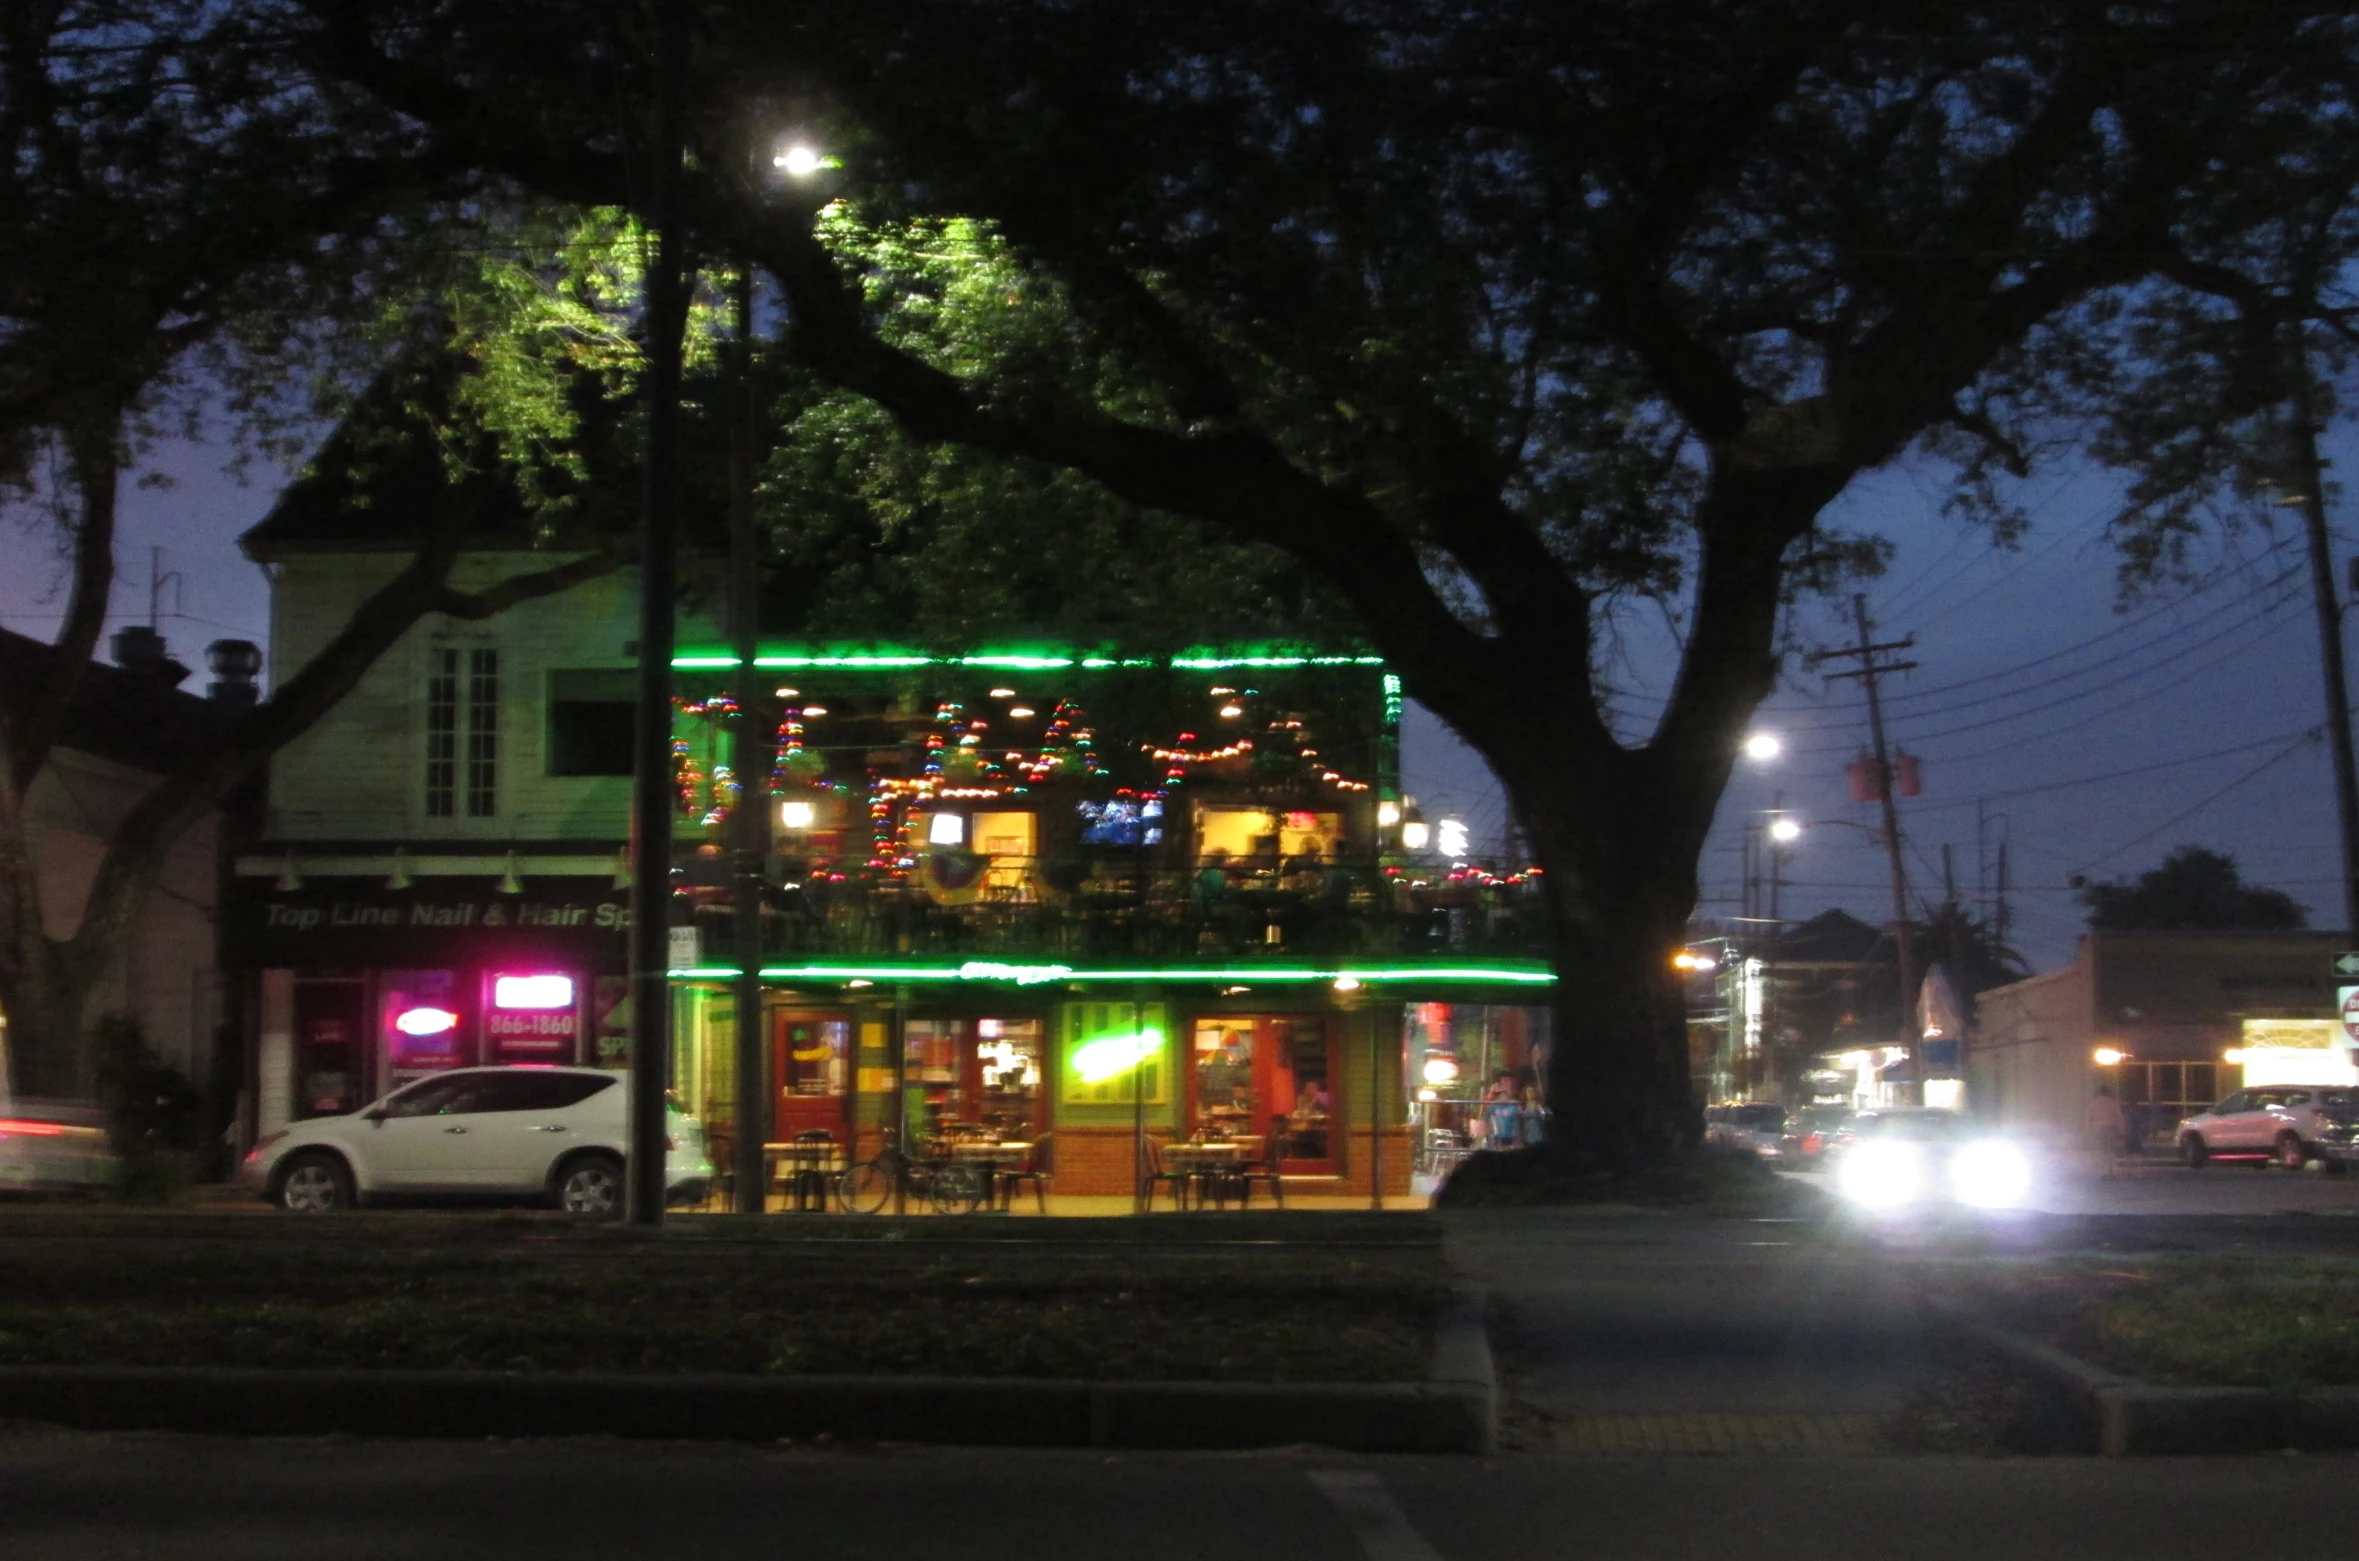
[[369, 970]]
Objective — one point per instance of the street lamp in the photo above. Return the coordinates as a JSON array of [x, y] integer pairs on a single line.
[[1761, 747], [798, 160]]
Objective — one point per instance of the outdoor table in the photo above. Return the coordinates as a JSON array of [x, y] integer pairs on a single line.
[[992, 1159], [806, 1170], [1204, 1164]]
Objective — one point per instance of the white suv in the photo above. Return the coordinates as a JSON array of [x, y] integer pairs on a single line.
[[2280, 1122], [508, 1133]]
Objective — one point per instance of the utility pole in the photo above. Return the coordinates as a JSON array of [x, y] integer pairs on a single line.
[[1998, 921], [749, 756], [652, 799], [1868, 672], [2312, 498]]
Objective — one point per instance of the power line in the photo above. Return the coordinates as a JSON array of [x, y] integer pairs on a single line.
[[2109, 775], [2312, 735], [2265, 618]]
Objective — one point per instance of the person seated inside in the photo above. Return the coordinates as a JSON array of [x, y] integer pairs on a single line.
[[1307, 1122]]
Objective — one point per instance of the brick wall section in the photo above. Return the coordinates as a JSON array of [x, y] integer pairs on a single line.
[[1097, 1160]]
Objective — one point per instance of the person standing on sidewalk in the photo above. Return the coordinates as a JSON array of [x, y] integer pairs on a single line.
[[2105, 1126]]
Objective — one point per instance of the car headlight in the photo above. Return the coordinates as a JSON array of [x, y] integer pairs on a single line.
[[1883, 1175], [1990, 1175]]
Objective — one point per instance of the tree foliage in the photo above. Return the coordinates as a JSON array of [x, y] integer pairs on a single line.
[[873, 528], [190, 223], [1502, 321], [2194, 890]]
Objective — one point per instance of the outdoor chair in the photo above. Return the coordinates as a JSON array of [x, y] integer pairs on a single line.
[[721, 1192], [813, 1175], [1037, 1171], [1159, 1174], [1268, 1169]]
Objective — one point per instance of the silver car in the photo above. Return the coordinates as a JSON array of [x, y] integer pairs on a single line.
[[1757, 1127], [2284, 1123], [553, 1134]]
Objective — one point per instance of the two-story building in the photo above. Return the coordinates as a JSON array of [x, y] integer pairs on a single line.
[[1043, 890]]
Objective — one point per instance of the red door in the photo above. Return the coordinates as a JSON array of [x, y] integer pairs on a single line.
[[813, 1065]]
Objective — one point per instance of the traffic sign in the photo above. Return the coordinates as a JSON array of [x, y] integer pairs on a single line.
[[2347, 1003], [2347, 964]]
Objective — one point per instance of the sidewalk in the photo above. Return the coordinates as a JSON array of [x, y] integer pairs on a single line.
[[1644, 1331]]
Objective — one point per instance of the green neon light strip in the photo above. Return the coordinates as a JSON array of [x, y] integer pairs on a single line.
[[1226, 976], [1018, 661], [828, 661]]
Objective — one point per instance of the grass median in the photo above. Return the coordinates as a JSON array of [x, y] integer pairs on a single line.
[[2285, 1323], [986, 1299]]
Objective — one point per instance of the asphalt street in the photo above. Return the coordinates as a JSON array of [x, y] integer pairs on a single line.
[[170, 1498]]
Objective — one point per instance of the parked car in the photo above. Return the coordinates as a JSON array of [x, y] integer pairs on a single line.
[[1755, 1126], [2338, 1133], [555, 1134], [1914, 1157], [2285, 1123], [1814, 1130], [50, 1147]]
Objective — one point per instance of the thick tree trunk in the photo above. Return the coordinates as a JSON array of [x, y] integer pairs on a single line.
[[1618, 1085]]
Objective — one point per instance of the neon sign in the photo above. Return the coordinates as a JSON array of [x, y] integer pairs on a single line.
[[532, 992], [1111, 1056], [1021, 975]]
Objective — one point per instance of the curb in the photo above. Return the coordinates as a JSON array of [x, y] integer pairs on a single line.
[[2134, 1419], [1454, 1410]]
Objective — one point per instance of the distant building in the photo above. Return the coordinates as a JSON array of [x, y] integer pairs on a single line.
[[129, 724], [2171, 1021]]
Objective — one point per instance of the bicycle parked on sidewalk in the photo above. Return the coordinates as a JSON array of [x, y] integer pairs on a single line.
[[893, 1176]]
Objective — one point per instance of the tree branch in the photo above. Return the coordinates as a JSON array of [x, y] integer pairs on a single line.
[[176, 802], [35, 717]]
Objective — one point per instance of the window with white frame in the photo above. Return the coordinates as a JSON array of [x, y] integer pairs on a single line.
[[462, 732]]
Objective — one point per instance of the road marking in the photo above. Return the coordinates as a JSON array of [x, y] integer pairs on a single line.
[[1383, 1530]]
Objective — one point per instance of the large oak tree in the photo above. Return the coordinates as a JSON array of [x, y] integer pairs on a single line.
[[187, 221], [1498, 317]]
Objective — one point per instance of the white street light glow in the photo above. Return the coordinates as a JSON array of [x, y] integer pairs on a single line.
[[1764, 746], [799, 161], [1785, 831]]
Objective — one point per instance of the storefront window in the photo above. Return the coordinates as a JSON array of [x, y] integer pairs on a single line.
[[1113, 1053], [1258, 1075], [983, 1071], [328, 1048], [1265, 839], [815, 1057], [424, 1026], [532, 1017]]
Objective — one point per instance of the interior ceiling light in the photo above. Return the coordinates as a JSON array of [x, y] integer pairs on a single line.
[[814, 710], [790, 693], [1003, 693], [1021, 712]]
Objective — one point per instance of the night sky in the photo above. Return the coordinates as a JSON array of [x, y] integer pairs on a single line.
[[2095, 739]]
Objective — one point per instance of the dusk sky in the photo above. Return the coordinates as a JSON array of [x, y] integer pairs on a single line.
[[2095, 739]]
